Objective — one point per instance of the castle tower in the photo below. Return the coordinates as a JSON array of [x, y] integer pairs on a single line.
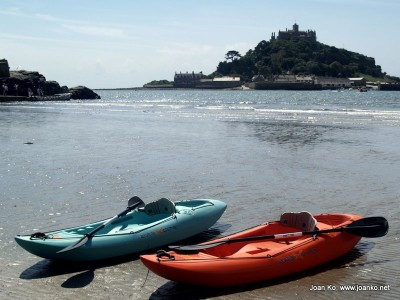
[[295, 27]]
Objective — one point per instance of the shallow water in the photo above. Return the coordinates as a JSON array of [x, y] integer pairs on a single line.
[[262, 152]]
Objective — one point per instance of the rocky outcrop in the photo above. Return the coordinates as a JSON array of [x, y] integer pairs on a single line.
[[31, 83], [82, 92], [4, 68], [19, 83]]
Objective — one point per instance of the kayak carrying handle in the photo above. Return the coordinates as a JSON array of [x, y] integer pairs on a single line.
[[161, 253], [38, 235]]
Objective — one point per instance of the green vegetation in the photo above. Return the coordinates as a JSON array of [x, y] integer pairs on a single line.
[[159, 82], [300, 57]]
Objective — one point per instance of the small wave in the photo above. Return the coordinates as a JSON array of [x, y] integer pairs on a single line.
[[219, 107]]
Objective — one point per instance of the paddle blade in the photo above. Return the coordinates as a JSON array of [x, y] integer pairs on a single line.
[[79, 243], [370, 227], [135, 201]]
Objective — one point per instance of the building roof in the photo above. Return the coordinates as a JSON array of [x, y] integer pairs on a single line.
[[188, 75]]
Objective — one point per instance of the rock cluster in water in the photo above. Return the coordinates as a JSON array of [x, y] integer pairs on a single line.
[[82, 92], [32, 83]]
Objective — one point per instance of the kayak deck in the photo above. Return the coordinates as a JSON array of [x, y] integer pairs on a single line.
[[233, 263], [273, 246], [134, 221], [156, 224]]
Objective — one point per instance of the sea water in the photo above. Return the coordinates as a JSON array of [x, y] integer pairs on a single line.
[[262, 152]]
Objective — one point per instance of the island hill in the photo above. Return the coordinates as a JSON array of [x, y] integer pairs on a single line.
[[291, 59], [21, 85]]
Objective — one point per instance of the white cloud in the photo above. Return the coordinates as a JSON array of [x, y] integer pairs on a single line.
[[50, 18], [13, 11], [186, 49], [31, 38], [95, 30]]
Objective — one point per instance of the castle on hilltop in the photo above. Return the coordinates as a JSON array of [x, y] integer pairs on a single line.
[[295, 34]]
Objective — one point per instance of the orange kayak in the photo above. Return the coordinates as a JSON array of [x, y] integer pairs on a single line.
[[241, 262]]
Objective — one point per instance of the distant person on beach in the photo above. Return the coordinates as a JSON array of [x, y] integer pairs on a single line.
[[30, 93], [16, 89], [40, 91], [5, 89]]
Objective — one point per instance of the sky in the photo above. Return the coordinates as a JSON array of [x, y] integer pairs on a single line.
[[127, 43]]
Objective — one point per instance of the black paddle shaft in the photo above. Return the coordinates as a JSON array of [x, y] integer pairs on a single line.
[[371, 227], [132, 204]]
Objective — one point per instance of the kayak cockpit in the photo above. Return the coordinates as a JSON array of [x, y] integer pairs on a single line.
[[289, 222]]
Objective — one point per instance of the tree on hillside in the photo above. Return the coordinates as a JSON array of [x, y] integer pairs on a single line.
[[232, 55]]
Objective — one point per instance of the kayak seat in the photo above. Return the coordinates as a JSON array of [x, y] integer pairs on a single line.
[[303, 220], [161, 206]]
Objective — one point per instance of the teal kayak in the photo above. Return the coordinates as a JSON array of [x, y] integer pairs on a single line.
[[153, 225]]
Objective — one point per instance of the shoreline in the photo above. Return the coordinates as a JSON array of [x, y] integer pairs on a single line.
[[13, 98], [170, 88], [59, 97]]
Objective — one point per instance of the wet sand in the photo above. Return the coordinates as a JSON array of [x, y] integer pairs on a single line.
[[127, 278]]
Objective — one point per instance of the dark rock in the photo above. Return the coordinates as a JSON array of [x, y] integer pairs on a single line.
[[51, 88], [4, 68], [20, 81], [64, 89], [82, 92], [31, 83], [31, 76]]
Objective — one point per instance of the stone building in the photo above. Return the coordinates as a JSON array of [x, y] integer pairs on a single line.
[[333, 82], [295, 34], [187, 80], [224, 82], [291, 78], [199, 81], [358, 81]]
